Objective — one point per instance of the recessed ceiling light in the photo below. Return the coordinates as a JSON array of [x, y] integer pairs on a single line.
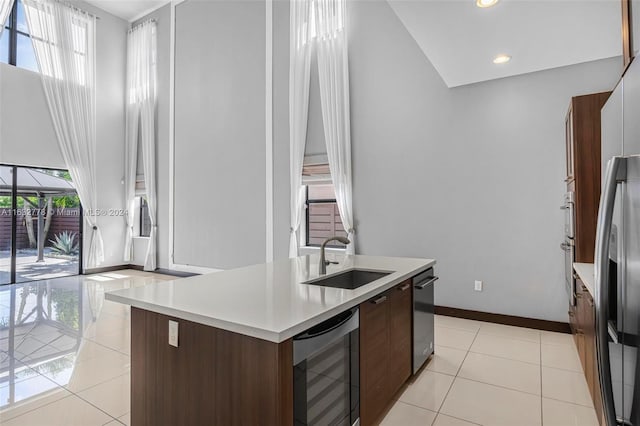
[[501, 59], [486, 3]]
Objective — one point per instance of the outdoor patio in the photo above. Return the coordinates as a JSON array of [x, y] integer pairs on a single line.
[[28, 269]]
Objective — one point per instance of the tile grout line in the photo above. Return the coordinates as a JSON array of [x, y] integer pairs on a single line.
[[504, 357], [456, 375], [106, 347], [568, 402], [71, 393], [499, 386], [99, 384]]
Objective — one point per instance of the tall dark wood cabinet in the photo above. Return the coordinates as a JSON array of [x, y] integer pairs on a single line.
[[583, 154], [583, 168]]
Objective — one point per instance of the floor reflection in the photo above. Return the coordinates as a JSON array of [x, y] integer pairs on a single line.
[[59, 338]]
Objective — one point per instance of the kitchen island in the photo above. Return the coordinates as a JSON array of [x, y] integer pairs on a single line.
[[229, 359]]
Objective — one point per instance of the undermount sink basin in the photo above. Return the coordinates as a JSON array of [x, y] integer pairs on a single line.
[[350, 280]]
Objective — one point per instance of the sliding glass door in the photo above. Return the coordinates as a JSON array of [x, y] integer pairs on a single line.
[[6, 220], [40, 225]]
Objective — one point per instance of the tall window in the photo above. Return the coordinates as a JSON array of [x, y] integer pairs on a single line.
[[15, 45], [322, 214]]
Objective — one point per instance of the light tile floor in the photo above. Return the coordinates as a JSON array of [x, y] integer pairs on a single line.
[[496, 375], [64, 351], [64, 360]]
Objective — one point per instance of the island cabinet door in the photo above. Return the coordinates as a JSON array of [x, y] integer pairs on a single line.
[[385, 350], [400, 318], [374, 358]]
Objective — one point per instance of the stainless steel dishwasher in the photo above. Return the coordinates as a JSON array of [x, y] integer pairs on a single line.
[[423, 309]]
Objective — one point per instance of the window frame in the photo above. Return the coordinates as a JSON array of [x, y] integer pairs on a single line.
[[12, 26], [307, 203]]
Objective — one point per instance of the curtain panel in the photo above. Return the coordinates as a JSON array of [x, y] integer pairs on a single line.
[[141, 128], [333, 73], [63, 38], [300, 26]]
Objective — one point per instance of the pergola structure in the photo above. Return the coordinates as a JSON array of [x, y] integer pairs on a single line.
[[34, 183]]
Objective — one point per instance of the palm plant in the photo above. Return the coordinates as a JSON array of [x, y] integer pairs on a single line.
[[65, 243]]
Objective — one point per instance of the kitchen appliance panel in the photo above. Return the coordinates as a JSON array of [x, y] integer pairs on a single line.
[[569, 277], [618, 290], [569, 245], [617, 264], [569, 215], [423, 318], [631, 282]]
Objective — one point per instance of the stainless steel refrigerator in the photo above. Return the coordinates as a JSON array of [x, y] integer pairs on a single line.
[[617, 260]]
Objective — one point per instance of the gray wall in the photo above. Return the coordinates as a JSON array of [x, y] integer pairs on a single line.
[[22, 103], [281, 221], [220, 134], [472, 176], [163, 20], [111, 47], [27, 136]]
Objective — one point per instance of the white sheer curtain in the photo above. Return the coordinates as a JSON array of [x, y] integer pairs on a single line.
[[300, 25], [130, 166], [141, 113], [5, 10], [333, 72], [64, 42]]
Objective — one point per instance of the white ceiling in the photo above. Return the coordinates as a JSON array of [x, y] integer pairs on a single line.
[[461, 39], [130, 10]]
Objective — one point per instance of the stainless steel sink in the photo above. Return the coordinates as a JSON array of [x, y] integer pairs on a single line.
[[350, 280]]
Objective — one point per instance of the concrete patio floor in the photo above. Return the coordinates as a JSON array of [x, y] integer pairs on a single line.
[[27, 269]]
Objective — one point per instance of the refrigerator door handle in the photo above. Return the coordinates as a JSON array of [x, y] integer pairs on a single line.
[[616, 173]]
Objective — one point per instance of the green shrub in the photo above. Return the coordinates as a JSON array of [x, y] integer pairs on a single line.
[[65, 243]]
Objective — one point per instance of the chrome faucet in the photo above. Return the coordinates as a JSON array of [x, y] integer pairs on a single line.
[[323, 262]]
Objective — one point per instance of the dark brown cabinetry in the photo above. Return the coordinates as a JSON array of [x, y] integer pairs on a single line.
[[583, 323], [582, 130], [385, 349], [215, 377]]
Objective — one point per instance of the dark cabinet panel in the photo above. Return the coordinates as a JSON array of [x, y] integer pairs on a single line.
[[582, 130], [400, 336], [385, 349], [214, 377], [585, 336], [374, 357]]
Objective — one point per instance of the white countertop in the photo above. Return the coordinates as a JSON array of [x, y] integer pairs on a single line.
[[267, 301], [586, 273]]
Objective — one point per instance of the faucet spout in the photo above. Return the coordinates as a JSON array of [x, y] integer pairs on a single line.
[[323, 262]]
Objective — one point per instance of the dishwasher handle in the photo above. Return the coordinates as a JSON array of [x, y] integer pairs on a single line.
[[423, 284]]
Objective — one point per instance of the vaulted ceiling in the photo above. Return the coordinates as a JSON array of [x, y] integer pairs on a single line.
[[461, 40]]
